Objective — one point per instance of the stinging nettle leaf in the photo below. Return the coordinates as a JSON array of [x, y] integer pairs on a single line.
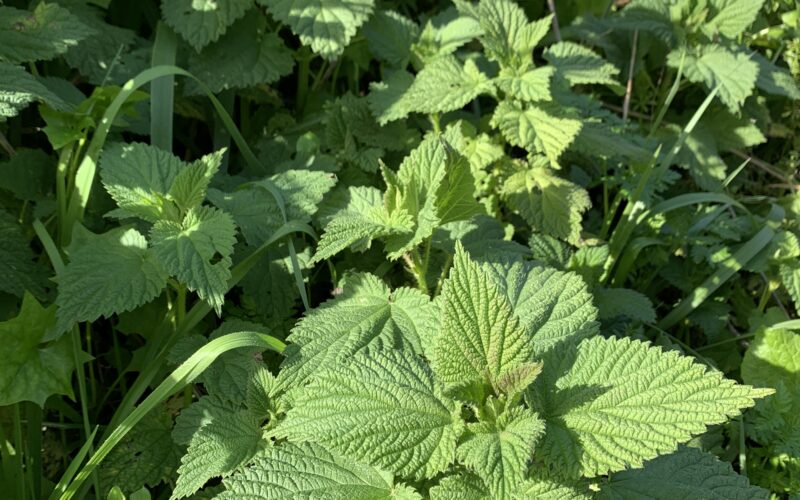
[[499, 451], [580, 65], [18, 89], [383, 407], [201, 22], [49, 31], [367, 313], [249, 54], [481, 339], [197, 251], [218, 449], [613, 403], [687, 473], [327, 26], [107, 274], [309, 470]]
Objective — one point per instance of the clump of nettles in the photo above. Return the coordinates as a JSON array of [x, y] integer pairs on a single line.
[[502, 387]]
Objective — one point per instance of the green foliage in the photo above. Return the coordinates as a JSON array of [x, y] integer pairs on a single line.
[[465, 250]]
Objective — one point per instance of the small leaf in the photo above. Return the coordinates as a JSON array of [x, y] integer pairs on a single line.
[[499, 451], [198, 251], [580, 65], [218, 449]]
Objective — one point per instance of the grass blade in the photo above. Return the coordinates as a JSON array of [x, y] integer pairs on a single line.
[[162, 90]]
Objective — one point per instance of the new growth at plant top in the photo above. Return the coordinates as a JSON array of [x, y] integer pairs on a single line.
[[378, 249]]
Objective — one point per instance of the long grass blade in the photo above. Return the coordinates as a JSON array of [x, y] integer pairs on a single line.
[[184, 374]]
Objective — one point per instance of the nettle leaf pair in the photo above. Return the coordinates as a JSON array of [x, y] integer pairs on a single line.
[[501, 387], [120, 270]]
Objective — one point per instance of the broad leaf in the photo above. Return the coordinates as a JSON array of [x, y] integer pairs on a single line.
[[383, 407], [687, 473], [367, 313], [553, 306], [217, 449], [309, 470], [107, 274], [325, 25], [732, 17], [201, 22], [499, 451], [33, 370], [549, 203], [197, 251], [249, 54], [18, 89], [580, 65], [49, 31], [714, 65], [390, 36], [19, 272], [481, 339], [597, 398], [542, 128], [508, 37]]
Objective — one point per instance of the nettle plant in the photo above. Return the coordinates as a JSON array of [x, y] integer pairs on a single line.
[[501, 387]]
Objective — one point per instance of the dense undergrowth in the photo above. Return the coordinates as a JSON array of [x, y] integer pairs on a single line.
[[399, 249]]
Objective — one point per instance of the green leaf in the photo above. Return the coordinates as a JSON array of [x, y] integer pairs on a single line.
[[249, 54], [615, 302], [107, 274], [434, 184], [536, 127], [547, 202], [386, 99], [308, 470], [774, 79], [218, 449], [580, 65], [138, 177], [188, 190], [367, 313], [18, 89], [33, 370], [19, 272], [772, 358], [201, 22], [28, 174], [499, 451], [390, 36], [790, 276], [540, 487], [732, 17], [201, 412], [441, 86], [714, 65], [553, 306], [460, 487], [608, 390], [382, 407], [481, 339], [326, 26], [47, 32], [146, 457], [531, 86], [687, 473], [508, 37], [111, 54], [256, 211], [198, 251]]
